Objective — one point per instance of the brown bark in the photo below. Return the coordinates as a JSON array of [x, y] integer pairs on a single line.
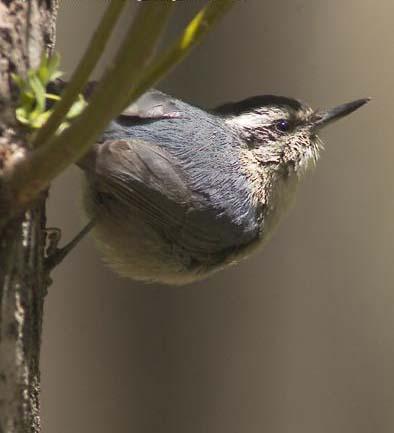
[[27, 30]]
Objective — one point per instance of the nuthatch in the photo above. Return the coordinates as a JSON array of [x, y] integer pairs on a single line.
[[178, 193]]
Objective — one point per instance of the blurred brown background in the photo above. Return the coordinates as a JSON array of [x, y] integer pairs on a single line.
[[298, 339]]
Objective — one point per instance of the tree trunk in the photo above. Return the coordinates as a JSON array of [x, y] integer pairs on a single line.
[[27, 30]]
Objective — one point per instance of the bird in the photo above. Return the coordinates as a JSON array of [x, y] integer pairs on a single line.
[[177, 192]]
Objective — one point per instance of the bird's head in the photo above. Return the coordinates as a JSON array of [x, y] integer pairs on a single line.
[[282, 132]]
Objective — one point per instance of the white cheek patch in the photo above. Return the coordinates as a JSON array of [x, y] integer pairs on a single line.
[[309, 157]]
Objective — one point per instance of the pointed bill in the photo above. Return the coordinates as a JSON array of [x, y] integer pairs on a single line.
[[323, 118]]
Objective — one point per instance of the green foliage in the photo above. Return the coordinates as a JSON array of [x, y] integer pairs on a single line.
[[32, 110]]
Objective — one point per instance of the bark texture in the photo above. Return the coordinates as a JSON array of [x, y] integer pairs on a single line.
[[27, 30]]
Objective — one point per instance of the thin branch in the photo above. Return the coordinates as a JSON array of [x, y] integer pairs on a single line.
[[82, 72], [35, 172], [198, 27]]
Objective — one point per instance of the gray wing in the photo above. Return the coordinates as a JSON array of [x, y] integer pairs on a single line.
[[139, 176]]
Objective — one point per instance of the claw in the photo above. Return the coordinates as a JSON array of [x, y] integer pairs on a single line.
[[55, 255], [53, 236]]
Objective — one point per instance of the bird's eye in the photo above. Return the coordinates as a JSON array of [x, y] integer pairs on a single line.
[[283, 125]]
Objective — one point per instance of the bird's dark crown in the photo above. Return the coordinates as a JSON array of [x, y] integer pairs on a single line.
[[255, 102]]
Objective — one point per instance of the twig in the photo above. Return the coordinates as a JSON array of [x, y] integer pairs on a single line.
[[198, 27], [82, 72], [35, 172]]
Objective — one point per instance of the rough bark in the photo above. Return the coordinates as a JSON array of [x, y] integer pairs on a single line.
[[27, 29]]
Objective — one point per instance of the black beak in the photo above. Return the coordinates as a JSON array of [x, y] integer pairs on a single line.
[[323, 118]]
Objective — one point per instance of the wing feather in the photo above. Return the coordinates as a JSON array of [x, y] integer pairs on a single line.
[[139, 176]]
